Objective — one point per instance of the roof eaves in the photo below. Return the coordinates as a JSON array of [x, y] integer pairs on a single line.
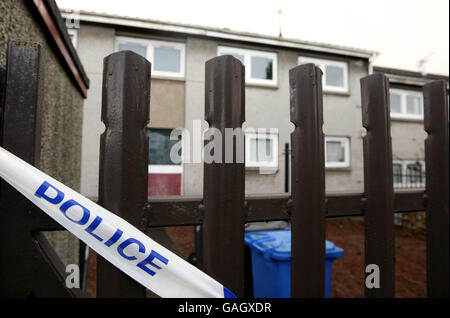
[[103, 18]]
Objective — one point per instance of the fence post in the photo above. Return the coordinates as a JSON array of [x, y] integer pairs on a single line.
[[224, 184], [308, 183], [30, 267], [124, 156], [378, 184], [2, 98], [437, 187]]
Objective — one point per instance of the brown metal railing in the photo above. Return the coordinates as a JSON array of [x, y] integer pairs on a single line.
[[223, 209]]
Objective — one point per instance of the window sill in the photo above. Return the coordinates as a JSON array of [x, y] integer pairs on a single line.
[[262, 170], [335, 93], [348, 169], [257, 85], [170, 78], [407, 119]]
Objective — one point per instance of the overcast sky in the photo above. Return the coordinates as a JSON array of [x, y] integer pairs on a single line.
[[402, 31]]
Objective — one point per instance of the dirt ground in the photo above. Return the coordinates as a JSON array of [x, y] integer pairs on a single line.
[[348, 272]]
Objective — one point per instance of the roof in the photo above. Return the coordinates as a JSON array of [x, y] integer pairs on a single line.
[[53, 24], [198, 30], [399, 76]]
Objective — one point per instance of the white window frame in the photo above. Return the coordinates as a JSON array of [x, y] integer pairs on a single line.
[[403, 104], [322, 63], [252, 164], [247, 54], [404, 164], [338, 164], [170, 169], [151, 45], [74, 38], [165, 169]]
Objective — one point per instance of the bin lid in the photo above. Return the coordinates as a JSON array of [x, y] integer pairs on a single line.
[[277, 244]]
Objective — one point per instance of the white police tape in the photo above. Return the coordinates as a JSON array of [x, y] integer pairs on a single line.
[[130, 250]]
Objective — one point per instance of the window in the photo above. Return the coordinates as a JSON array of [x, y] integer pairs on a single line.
[[337, 152], [260, 66], [335, 73], [167, 58], [406, 104], [73, 36], [160, 147], [408, 173], [261, 150]]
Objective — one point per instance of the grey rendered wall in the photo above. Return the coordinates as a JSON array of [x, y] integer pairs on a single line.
[[94, 44], [342, 117], [269, 108], [62, 112], [408, 139]]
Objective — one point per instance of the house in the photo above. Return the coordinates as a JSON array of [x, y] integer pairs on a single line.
[[407, 130], [178, 54]]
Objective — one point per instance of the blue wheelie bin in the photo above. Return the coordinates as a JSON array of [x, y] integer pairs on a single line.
[[271, 263]]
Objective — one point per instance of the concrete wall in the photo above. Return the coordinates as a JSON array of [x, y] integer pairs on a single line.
[[167, 103], [62, 111], [408, 140]]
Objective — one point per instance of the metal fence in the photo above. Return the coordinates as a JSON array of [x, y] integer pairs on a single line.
[[223, 209]]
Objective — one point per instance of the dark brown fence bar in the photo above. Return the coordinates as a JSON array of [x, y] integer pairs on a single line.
[[124, 156], [174, 210], [30, 267], [181, 210], [2, 98], [223, 190], [308, 183], [436, 160], [378, 185]]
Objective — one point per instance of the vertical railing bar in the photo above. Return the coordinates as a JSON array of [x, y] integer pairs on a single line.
[[224, 184], [307, 183], [2, 99], [124, 156], [437, 187], [378, 184]]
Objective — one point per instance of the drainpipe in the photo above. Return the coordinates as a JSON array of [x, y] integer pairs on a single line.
[[371, 60], [286, 170]]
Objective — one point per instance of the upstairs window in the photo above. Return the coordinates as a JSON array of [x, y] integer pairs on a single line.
[[260, 66], [335, 73], [167, 58], [406, 104]]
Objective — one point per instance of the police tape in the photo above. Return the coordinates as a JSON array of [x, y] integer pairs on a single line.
[[127, 248]]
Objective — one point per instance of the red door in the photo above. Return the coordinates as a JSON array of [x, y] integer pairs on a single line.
[[164, 175], [164, 180]]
